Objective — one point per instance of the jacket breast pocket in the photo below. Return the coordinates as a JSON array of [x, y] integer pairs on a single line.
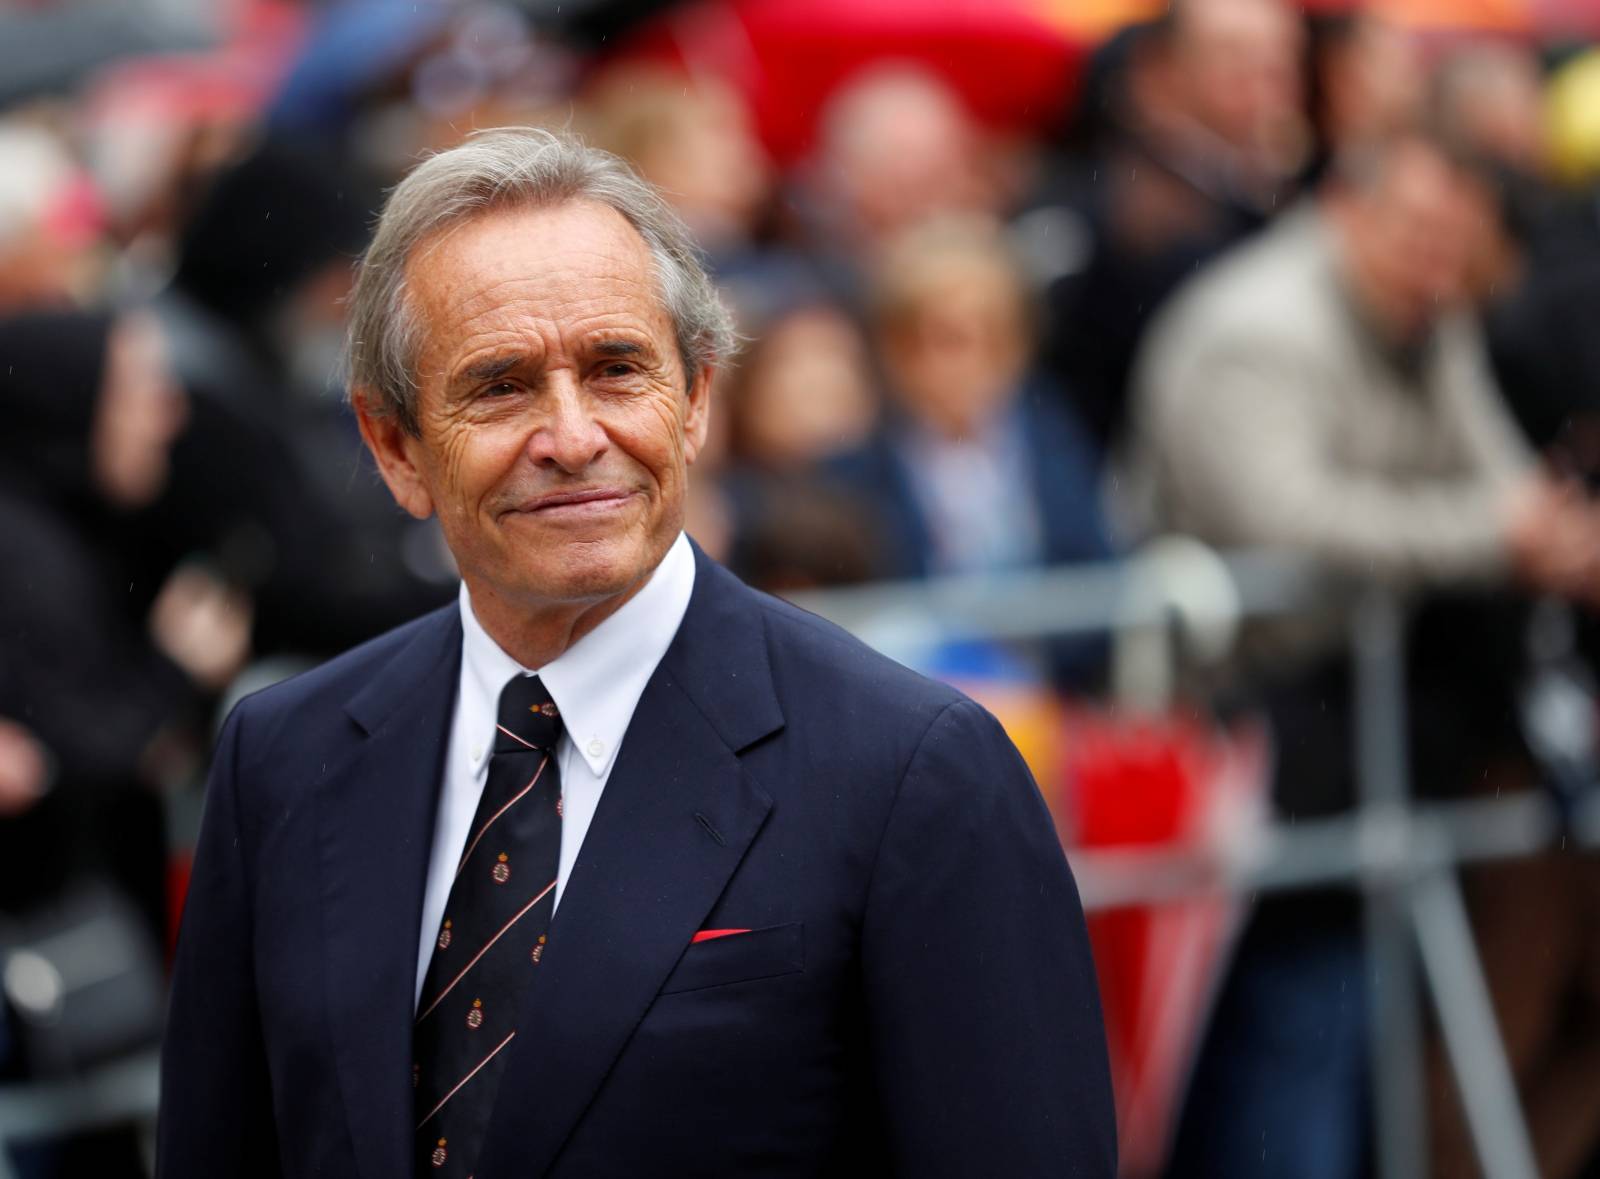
[[739, 957]]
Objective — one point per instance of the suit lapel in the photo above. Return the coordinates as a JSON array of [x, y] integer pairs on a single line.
[[376, 824], [676, 818]]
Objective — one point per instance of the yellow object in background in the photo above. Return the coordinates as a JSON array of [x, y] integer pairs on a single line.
[[1574, 118]]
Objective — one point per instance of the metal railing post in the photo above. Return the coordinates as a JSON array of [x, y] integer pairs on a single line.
[[1471, 1036], [1411, 887], [1382, 769]]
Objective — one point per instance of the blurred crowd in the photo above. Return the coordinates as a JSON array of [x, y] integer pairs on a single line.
[[1316, 282]]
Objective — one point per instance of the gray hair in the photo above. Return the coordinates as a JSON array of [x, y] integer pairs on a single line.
[[506, 168]]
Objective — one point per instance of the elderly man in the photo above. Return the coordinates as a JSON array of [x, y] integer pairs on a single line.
[[617, 867]]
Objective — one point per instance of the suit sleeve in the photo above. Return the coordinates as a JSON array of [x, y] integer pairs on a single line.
[[984, 1013], [216, 1099]]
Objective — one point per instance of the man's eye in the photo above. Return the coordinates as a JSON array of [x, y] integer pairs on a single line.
[[617, 369], [499, 389]]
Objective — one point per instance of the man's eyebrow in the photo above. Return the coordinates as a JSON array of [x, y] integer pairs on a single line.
[[494, 366], [618, 348]]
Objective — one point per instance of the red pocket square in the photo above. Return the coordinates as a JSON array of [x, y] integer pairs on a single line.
[[706, 935]]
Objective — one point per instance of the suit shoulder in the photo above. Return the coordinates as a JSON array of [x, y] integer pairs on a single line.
[[808, 649]]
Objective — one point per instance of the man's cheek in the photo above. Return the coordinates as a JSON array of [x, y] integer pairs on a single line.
[[453, 455]]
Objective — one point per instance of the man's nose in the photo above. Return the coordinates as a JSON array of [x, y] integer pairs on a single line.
[[568, 435]]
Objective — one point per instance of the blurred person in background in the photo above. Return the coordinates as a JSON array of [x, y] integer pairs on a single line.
[[897, 147], [803, 392], [105, 694], [1324, 391], [694, 137], [1489, 96], [48, 222], [1540, 276], [1366, 82], [1203, 136], [261, 262], [112, 676], [1393, 453], [269, 471], [976, 467]]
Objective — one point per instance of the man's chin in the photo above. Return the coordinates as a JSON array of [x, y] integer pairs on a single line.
[[585, 573]]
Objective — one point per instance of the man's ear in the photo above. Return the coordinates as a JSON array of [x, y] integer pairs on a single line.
[[396, 451], [697, 419]]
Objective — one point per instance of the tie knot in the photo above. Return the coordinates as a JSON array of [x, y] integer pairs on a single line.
[[527, 716]]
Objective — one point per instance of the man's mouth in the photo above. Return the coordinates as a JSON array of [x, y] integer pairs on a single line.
[[584, 501]]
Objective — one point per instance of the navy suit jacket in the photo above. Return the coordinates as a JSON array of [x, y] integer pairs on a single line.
[[915, 995]]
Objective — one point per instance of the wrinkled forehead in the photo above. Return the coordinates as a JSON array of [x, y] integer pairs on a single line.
[[555, 264], [529, 243]]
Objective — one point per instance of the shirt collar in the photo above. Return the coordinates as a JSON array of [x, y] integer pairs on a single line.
[[995, 438], [597, 682]]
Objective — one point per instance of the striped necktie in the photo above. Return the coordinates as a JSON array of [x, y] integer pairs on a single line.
[[492, 935]]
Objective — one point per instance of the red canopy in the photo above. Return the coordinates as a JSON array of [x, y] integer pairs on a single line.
[[1015, 62], [1014, 66]]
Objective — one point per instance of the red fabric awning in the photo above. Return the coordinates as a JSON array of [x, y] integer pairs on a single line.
[[1015, 68], [1015, 62]]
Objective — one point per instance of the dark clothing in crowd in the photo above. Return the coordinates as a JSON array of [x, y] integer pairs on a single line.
[[80, 676], [1542, 338], [794, 531], [271, 475], [268, 223], [1026, 496], [1151, 223], [320, 577], [1058, 472], [1295, 1004], [77, 668], [50, 372], [95, 694]]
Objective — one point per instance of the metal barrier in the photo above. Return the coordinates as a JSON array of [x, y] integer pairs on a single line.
[[1402, 854]]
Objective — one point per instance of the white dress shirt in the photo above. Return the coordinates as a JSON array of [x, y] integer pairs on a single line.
[[596, 683], [977, 496]]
